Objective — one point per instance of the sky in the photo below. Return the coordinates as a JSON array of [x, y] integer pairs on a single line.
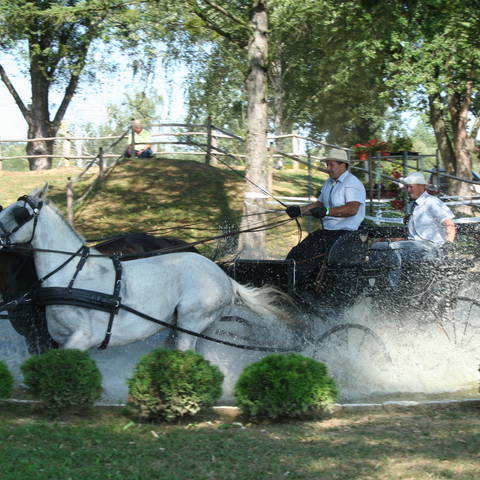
[[90, 102]]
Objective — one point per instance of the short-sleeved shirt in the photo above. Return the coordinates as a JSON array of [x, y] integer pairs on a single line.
[[427, 217], [337, 193], [142, 140]]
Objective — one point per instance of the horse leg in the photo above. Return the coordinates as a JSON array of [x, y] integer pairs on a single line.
[[196, 322], [78, 340]]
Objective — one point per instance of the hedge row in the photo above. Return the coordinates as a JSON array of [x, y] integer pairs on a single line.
[[168, 384]]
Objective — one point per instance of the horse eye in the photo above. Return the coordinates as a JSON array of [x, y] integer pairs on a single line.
[[1, 208]]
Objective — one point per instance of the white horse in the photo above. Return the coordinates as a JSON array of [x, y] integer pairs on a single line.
[[183, 286]]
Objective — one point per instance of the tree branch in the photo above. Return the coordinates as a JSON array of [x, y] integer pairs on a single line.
[[67, 98], [213, 26], [14, 93], [228, 14]]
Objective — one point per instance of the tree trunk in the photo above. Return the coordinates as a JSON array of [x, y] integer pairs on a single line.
[[459, 104], [253, 244], [37, 114], [276, 78], [38, 120], [444, 143]]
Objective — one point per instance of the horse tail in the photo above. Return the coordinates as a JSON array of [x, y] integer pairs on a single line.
[[262, 300]]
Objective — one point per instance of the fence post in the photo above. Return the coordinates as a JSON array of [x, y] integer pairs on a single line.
[[70, 201], [405, 173], [101, 164], [214, 149], [295, 149], [132, 148], [271, 152], [370, 183], [378, 177], [309, 188], [208, 156]]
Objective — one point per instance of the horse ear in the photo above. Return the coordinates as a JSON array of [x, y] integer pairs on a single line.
[[40, 193]]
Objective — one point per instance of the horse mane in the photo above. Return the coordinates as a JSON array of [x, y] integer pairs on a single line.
[[50, 204]]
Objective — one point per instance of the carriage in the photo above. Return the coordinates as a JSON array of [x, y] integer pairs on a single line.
[[443, 290]]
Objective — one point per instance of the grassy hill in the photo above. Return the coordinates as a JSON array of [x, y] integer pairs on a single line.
[[180, 198]]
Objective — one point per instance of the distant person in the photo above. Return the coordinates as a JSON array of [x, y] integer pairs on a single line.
[[143, 142], [341, 205]]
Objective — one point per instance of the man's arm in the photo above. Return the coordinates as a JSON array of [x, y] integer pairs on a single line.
[[348, 210], [450, 230]]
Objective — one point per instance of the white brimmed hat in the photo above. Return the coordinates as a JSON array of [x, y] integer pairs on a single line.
[[337, 155], [414, 178]]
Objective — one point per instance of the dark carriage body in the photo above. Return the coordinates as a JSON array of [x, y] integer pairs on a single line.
[[359, 264]]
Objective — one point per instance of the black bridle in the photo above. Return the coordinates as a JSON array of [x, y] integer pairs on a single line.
[[22, 216]]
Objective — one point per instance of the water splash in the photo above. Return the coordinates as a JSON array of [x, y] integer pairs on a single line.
[[410, 351], [373, 351]]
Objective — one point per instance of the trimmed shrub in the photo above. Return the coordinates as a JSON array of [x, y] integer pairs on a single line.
[[6, 381], [63, 379], [284, 386], [168, 384]]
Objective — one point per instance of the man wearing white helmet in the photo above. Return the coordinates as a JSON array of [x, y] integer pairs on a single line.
[[341, 205]]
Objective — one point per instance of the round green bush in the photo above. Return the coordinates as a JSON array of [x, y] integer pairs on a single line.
[[168, 384], [6, 381], [284, 386], [63, 379]]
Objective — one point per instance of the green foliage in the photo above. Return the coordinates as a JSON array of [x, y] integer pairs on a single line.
[[63, 379], [284, 386], [401, 144], [168, 384], [6, 381]]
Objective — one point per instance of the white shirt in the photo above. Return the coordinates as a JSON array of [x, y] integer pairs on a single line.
[[427, 218], [337, 193]]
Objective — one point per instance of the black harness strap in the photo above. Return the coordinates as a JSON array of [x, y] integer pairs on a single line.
[[84, 255], [116, 296], [76, 297]]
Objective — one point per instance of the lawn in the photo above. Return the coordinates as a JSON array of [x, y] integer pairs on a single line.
[[390, 443]]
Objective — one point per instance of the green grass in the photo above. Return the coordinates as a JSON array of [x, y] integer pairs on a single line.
[[392, 443]]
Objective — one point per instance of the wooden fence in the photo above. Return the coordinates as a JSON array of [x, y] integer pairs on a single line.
[[215, 145]]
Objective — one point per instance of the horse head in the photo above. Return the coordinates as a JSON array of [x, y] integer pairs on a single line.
[[19, 220]]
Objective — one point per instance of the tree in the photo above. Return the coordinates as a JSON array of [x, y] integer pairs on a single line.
[[55, 38], [325, 75], [243, 25], [435, 67]]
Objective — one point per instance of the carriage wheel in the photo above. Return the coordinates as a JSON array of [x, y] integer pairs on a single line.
[[244, 327], [352, 339], [460, 320]]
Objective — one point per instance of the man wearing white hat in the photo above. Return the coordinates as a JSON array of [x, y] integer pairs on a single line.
[[430, 219], [341, 204]]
